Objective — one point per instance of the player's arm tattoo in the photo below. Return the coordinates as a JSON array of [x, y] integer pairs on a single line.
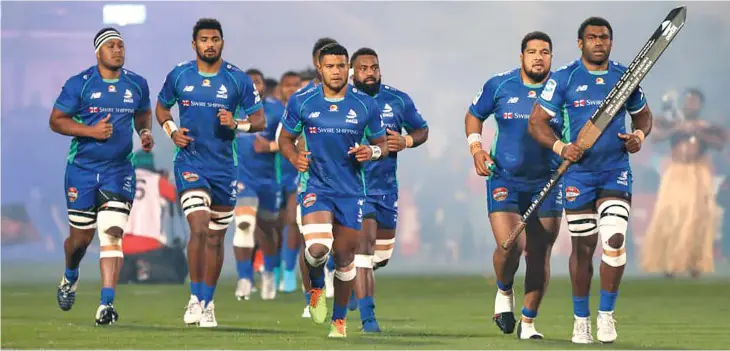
[[419, 136], [64, 124], [257, 120], [643, 120], [287, 145], [539, 127], [143, 121]]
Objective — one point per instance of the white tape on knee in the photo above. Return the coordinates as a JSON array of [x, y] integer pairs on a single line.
[[299, 218], [317, 234], [195, 200], [346, 274], [220, 220], [112, 214], [614, 220], [364, 261], [82, 219], [582, 224], [383, 249], [244, 237]]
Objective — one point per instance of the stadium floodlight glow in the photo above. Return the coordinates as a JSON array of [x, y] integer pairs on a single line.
[[124, 14]]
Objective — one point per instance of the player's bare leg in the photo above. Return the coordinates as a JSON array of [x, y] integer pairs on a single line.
[[583, 226], [290, 250], [317, 231], [220, 218], [365, 280], [243, 244], [195, 204], [613, 217], [266, 235], [344, 247], [540, 236], [506, 264], [75, 249]]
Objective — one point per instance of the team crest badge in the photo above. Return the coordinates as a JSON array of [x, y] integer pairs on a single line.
[[599, 81], [206, 83], [309, 200], [333, 108], [500, 194], [72, 194], [190, 176], [112, 89], [571, 193], [532, 94]]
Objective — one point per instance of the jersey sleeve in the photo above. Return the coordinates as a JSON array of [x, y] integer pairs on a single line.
[[553, 95], [69, 101], [636, 101], [412, 118], [168, 96], [144, 104], [250, 101], [272, 125], [291, 120], [375, 127], [483, 104]]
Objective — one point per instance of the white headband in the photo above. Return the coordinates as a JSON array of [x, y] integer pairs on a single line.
[[104, 37]]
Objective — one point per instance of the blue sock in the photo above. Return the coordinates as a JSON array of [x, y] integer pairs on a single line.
[[290, 258], [504, 287], [195, 289], [331, 262], [339, 312], [72, 275], [581, 306], [107, 296], [208, 292], [367, 308], [270, 263], [526, 312], [308, 297], [318, 279], [607, 301], [245, 269], [277, 258]]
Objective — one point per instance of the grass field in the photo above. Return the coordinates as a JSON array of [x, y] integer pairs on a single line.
[[415, 313]]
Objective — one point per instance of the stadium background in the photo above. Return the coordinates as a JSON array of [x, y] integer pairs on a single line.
[[440, 53]]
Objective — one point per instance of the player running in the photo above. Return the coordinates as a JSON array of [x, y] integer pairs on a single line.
[[99, 108], [259, 200], [334, 119], [398, 112], [207, 91], [516, 169], [598, 185]]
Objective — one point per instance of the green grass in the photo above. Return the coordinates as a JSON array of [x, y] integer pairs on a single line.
[[414, 312]]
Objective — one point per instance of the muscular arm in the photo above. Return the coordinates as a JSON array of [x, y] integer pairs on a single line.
[[257, 120], [162, 113], [143, 120], [643, 120], [382, 143], [539, 127], [419, 136], [64, 124], [472, 124], [287, 145]]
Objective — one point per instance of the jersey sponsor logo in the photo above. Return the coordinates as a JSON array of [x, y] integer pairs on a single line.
[[579, 103], [547, 93], [93, 109], [186, 103], [532, 94], [512, 115], [206, 83], [188, 88], [190, 176], [476, 98], [128, 97], [222, 92], [600, 81], [500, 194], [623, 178], [309, 200], [584, 102], [95, 95], [507, 115], [351, 117], [72, 194], [387, 111], [112, 89], [581, 88], [313, 114], [513, 100], [571, 193], [333, 108], [312, 130]]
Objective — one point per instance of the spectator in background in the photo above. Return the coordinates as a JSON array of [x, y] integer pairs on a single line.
[[685, 220], [272, 89]]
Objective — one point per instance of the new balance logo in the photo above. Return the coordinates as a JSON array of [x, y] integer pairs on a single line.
[[513, 100], [96, 95], [188, 88], [581, 88], [314, 114]]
